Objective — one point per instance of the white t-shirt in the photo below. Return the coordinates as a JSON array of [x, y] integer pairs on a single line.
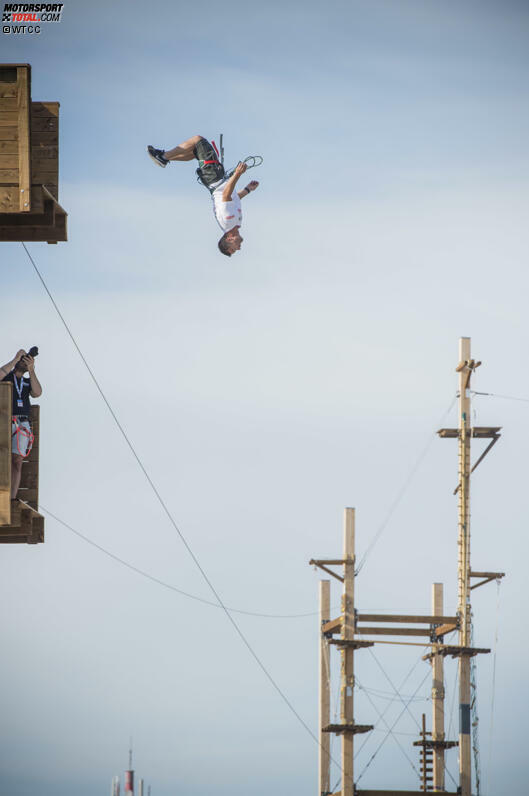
[[228, 214]]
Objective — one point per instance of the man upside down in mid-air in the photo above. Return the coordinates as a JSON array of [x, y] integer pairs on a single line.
[[226, 200]]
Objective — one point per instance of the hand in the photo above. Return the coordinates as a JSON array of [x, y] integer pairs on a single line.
[[21, 353], [252, 185], [29, 363], [240, 169]]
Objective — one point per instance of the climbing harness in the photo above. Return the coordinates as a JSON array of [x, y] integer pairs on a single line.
[[251, 162], [22, 432]]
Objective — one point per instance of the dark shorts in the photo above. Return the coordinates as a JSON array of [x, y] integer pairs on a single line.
[[210, 170]]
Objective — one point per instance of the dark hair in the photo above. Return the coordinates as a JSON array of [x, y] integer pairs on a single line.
[[224, 245]]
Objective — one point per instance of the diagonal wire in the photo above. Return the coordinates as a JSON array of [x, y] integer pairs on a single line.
[[393, 507], [417, 662], [497, 395], [379, 747], [170, 517], [163, 583], [389, 730], [393, 687]]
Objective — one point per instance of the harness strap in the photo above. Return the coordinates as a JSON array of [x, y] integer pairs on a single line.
[[20, 431]]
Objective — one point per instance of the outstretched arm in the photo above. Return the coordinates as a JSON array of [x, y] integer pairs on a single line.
[[249, 188], [8, 367], [232, 182]]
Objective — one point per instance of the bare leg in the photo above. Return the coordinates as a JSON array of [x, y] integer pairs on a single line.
[[183, 151], [16, 472]]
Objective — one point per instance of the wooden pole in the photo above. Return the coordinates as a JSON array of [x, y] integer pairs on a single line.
[[438, 697], [347, 653], [465, 435], [324, 767]]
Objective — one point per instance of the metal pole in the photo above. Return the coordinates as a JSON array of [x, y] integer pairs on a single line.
[[465, 433], [347, 654], [438, 697], [324, 768]]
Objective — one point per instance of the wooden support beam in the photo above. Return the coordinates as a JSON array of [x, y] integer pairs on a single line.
[[334, 626], [444, 629], [422, 619], [438, 696], [393, 631], [5, 453], [318, 563], [23, 124], [347, 656], [478, 432], [324, 761]]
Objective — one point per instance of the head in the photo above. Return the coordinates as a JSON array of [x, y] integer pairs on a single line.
[[230, 242], [22, 366]]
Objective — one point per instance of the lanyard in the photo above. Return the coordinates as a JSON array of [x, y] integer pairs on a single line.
[[19, 389]]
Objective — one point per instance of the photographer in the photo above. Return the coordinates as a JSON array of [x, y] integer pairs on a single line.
[[22, 438]]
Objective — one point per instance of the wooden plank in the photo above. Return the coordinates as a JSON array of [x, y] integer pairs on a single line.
[[8, 199], [45, 109], [9, 160], [443, 629], [347, 653], [334, 626], [8, 147], [46, 218], [9, 103], [44, 124], [43, 138], [5, 453], [16, 537], [424, 619], [8, 134], [10, 176], [45, 173], [24, 145], [37, 530], [324, 717], [8, 118], [35, 234], [399, 793], [43, 153], [392, 631], [34, 418], [7, 91]]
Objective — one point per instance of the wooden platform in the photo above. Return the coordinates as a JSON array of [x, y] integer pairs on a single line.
[[27, 525], [353, 728], [456, 652], [29, 162]]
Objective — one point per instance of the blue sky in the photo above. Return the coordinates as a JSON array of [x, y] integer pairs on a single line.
[[266, 392]]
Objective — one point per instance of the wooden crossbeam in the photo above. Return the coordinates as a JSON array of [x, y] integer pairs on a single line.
[[393, 631], [412, 619], [334, 626], [478, 432]]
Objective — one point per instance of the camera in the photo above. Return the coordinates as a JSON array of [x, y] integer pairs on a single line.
[[33, 351]]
